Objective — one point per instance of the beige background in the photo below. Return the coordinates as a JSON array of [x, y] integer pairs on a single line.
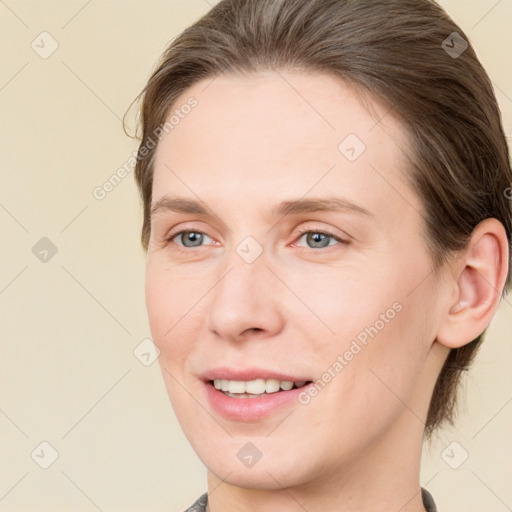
[[69, 325]]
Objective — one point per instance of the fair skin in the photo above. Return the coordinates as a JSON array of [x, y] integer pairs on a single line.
[[251, 143]]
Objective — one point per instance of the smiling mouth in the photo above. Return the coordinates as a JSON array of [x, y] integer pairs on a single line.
[[255, 388]]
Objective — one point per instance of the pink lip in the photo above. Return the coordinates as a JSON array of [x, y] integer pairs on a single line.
[[250, 409], [227, 373]]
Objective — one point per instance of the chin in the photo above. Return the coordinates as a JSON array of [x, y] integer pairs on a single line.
[[270, 472], [269, 477]]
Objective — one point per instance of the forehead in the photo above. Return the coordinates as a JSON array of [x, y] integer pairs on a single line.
[[280, 131]]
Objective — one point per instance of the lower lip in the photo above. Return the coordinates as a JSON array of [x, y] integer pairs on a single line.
[[251, 409]]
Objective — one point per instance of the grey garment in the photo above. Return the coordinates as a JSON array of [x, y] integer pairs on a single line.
[[199, 505], [428, 502]]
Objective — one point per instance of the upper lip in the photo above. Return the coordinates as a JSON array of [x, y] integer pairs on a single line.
[[247, 374]]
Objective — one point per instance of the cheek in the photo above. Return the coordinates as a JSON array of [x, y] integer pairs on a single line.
[[336, 297], [168, 294], [165, 304], [349, 304], [175, 302], [381, 340], [158, 302], [382, 377]]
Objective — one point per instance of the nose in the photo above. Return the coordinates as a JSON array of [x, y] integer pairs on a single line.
[[244, 301]]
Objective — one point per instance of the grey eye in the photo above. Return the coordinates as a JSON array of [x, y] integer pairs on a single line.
[[317, 239], [191, 238]]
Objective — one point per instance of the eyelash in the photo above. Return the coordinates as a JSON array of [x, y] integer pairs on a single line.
[[300, 234]]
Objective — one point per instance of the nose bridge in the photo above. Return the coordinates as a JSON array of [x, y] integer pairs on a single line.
[[246, 270], [242, 299]]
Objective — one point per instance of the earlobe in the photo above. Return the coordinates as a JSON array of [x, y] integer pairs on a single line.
[[479, 276]]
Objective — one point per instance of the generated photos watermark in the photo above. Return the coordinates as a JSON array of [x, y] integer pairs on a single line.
[[356, 346], [101, 191]]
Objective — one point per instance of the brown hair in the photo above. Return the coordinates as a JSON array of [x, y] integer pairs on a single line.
[[392, 49]]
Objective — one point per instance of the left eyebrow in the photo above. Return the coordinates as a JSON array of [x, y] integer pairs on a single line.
[[335, 204]]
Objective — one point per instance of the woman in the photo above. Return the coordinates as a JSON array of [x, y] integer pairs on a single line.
[[328, 237]]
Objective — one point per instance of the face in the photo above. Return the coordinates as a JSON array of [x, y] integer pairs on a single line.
[[303, 262]]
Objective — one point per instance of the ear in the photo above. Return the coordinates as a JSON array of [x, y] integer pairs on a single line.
[[478, 279]]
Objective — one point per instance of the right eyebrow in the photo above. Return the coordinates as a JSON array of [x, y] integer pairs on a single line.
[[178, 205]]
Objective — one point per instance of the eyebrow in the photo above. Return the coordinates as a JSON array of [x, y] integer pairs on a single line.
[[297, 206]]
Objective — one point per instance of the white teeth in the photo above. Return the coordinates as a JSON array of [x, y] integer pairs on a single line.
[[272, 385], [286, 385], [255, 387], [236, 386]]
